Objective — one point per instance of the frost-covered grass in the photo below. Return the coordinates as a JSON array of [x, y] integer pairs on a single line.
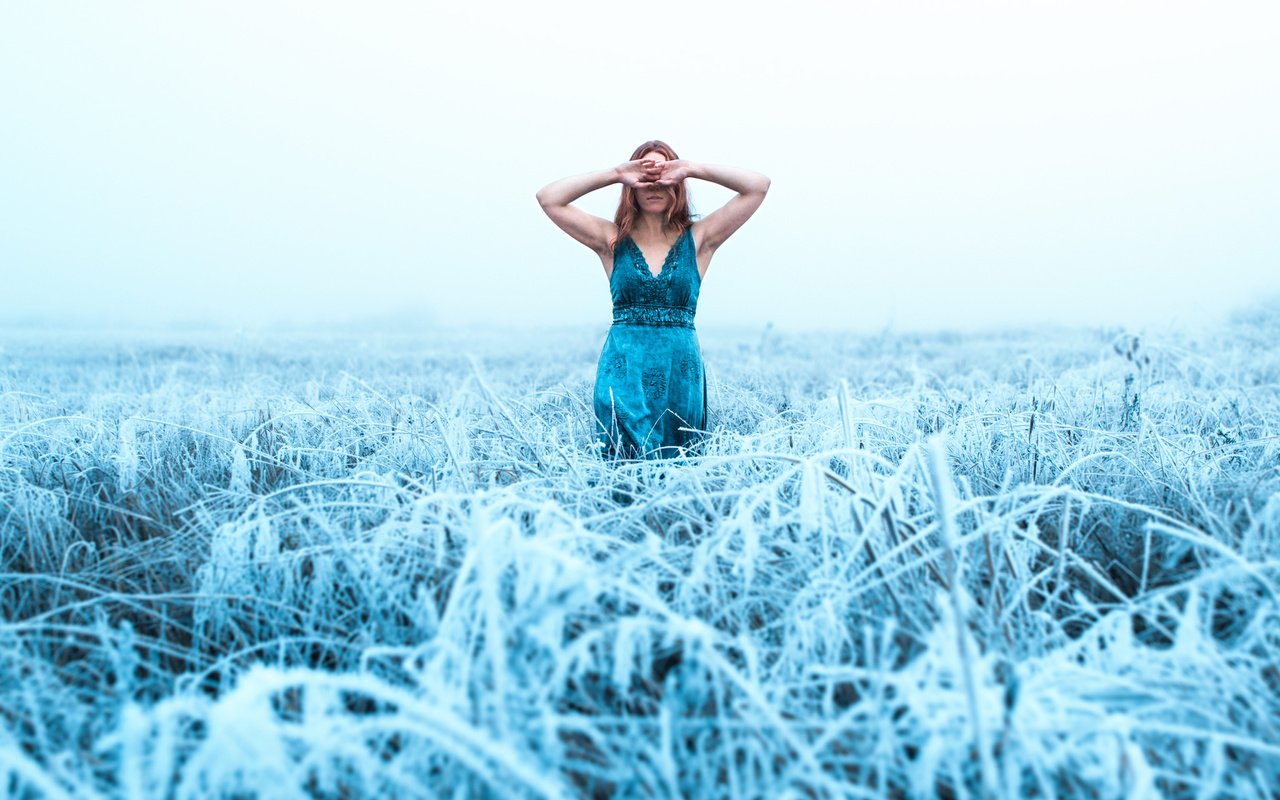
[[1037, 564]]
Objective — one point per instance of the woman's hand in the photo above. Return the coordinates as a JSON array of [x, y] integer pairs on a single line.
[[673, 172], [639, 173]]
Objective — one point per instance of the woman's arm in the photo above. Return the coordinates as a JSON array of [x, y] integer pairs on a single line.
[[595, 232], [721, 223]]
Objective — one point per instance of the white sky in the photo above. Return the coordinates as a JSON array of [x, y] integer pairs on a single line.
[[934, 164]]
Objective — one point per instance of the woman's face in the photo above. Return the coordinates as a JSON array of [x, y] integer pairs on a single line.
[[654, 199]]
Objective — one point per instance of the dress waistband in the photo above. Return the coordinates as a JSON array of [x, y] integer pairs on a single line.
[[661, 316]]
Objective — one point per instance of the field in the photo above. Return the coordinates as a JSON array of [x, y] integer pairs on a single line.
[[1022, 563]]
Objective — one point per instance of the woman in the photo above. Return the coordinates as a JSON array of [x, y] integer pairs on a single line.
[[651, 389]]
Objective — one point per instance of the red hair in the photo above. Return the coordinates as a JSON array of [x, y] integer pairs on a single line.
[[678, 213]]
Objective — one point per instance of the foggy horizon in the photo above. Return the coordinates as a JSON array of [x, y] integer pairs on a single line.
[[933, 167]]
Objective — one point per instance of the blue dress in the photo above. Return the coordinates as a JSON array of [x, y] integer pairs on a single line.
[[650, 381]]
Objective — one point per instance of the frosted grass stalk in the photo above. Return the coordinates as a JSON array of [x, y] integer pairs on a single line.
[[940, 474]]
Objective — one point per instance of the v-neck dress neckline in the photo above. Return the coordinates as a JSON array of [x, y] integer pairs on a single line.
[[667, 263]]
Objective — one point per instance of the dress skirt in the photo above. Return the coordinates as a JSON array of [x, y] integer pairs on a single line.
[[651, 392]]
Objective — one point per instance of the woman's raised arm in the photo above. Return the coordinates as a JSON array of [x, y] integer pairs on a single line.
[[595, 232], [720, 224]]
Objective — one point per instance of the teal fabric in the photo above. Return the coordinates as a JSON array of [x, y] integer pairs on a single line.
[[650, 381]]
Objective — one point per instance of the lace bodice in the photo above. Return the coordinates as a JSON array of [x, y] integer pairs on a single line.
[[669, 298]]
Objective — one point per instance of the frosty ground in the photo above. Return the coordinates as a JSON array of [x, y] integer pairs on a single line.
[[1022, 563]]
